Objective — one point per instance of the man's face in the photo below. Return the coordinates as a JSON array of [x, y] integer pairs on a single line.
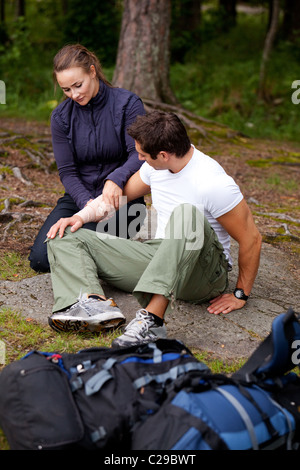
[[158, 164]]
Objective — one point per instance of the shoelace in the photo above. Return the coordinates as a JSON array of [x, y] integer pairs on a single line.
[[81, 303], [139, 325]]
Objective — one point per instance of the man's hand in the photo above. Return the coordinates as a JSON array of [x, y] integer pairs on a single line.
[[75, 222], [225, 303]]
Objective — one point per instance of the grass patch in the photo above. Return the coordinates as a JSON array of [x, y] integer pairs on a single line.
[[5, 170], [14, 266], [279, 183], [216, 365], [22, 335]]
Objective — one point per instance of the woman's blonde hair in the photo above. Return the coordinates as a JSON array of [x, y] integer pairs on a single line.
[[76, 55]]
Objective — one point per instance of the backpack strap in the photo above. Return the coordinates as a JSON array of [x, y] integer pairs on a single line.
[[171, 374], [218, 380], [94, 384], [157, 353], [289, 439], [265, 418], [273, 355], [243, 414], [211, 437]]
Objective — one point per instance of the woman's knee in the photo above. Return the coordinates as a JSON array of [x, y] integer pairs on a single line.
[[38, 259]]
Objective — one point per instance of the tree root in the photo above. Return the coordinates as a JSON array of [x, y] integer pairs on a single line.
[[13, 218], [18, 174]]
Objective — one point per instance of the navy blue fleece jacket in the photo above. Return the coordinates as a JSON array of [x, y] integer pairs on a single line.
[[90, 142]]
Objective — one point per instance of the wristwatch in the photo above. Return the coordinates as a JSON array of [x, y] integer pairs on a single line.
[[240, 294]]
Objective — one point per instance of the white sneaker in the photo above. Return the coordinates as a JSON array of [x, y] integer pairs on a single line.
[[142, 329], [88, 314]]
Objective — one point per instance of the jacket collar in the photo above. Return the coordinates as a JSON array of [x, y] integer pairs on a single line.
[[99, 100]]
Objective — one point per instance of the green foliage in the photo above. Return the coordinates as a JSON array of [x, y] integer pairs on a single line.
[[214, 70], [25, 71], [96, 25], [219, 80], [185, 28], [29, 44]]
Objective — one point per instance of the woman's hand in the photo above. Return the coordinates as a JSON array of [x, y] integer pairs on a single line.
[[111, 194], [75, 222]]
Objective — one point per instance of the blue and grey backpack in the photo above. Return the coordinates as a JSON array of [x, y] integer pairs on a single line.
[[156, 396], [257, 408]]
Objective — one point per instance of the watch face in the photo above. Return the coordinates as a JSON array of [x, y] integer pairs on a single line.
[[240, 294]]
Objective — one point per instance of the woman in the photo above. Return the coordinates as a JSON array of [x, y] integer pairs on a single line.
[[93, 152]]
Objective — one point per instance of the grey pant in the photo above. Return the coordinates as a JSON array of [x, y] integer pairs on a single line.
[[189, 264]]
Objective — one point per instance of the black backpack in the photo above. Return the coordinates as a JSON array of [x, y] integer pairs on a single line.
[[87, 400]]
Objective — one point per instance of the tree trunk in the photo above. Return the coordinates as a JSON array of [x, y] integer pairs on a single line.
[[143, 58], [228, 7], [2, 11], [291, 20], [262, 93], [65, 5], [20, 8], [187, 15]]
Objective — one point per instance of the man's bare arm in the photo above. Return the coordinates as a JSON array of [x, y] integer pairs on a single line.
[[135, 187], [240, 225]]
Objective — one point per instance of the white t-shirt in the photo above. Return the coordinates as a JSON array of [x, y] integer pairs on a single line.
[[203, 183]]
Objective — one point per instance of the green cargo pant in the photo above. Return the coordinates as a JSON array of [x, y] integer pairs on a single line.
[[189, 264]]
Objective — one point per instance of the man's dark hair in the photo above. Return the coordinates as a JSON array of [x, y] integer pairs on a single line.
[[158, 131]]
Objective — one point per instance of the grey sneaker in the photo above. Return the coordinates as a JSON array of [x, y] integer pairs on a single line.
[[142, 329], [88, 314]]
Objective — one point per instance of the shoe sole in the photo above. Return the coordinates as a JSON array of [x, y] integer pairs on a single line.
[[79, 326]]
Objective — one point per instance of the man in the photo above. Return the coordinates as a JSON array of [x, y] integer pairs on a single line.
[[198, 208]]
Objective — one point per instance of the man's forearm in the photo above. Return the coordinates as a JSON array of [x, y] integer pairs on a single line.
[[248, 261], [97, 209], [93, 211]]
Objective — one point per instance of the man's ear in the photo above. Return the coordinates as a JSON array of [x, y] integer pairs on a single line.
[[165, 155]]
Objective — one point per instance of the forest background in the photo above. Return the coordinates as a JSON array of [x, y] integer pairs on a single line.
[[216, 50]]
